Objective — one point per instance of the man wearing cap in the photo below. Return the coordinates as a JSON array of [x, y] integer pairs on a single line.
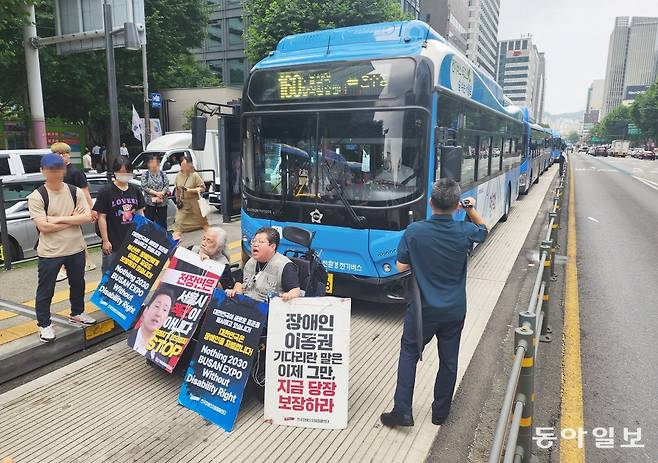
[[58, 216], [74, 176]]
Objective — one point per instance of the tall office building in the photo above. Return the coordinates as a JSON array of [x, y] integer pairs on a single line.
[[449, 18], [593, 107], [223, 49], [482, 36], [632, 60], [521, 72], [411, 7]]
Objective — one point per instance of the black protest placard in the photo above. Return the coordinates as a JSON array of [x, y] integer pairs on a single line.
[[140, 259], [222, 361]]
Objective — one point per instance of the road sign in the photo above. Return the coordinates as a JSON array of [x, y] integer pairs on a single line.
[[79, 24], [156, 101], [633, 129]]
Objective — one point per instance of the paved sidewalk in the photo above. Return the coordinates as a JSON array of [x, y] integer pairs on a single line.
[[111, 407]]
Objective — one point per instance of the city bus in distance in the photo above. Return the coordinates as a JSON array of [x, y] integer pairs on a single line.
[[346, 130], [536, 152], [556, 145]]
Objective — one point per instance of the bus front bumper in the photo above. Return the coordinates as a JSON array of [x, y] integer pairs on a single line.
[[389, 290]]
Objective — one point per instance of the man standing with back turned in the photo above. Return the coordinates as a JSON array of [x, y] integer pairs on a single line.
[[436, 250]]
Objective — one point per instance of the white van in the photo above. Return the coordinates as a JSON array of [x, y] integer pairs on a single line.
[[171, 147], [20, 162]]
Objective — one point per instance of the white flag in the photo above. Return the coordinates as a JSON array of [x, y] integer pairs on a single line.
[[137, 125]]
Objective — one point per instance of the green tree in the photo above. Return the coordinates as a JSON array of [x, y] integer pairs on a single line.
[[75, 86], [615, 125], [644, 112], [573, 137], [271, 20]]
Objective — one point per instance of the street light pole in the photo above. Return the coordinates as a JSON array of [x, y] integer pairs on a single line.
[[113, 143], [33, 74], [146, 133]]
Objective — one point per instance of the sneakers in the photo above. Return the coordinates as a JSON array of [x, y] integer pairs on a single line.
[[89, 266], [82, 319], [61, 275], [46, 334]]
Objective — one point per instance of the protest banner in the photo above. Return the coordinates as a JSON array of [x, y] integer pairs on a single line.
[[222, 361], [140, 259], [307, 362], [175, 310]]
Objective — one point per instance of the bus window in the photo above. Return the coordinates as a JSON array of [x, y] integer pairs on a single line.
[[483, 156], [497, 147], [468, 161], [511, 156]]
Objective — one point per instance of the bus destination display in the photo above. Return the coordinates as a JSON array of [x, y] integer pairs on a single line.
[[371, 80], [295, 85]]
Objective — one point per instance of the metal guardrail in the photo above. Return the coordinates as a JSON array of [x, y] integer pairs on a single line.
[[513, 437]]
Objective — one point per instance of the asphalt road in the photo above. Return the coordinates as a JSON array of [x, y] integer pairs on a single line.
[[617, 251]]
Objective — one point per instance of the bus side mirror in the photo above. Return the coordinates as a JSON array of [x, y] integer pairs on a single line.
[[198, 124]]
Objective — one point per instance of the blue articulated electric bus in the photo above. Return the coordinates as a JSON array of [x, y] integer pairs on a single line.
[[345, 131]]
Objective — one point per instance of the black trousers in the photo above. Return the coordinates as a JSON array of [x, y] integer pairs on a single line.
[[157, 214], [47, 275], [448, 334]]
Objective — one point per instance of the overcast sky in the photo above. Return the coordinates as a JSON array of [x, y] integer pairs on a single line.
[[574, 34]]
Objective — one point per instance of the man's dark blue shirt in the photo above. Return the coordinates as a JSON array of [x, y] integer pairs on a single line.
[[437, 250]]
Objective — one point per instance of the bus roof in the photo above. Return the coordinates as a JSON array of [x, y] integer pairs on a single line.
[[393, 40]]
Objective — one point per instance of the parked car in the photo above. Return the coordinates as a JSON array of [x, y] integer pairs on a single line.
[[22, 232], [20, 162], [646, 154]]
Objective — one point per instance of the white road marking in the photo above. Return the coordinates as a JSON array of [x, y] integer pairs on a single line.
[[637, 169], [593, 219], [648, 183]]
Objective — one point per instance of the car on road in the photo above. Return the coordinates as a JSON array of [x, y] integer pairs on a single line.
[[650, 155], [591, 150], [583, 149], [601, 151], [23, 233]]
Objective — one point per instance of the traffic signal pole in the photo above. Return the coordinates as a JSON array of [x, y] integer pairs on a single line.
[[33, 74]]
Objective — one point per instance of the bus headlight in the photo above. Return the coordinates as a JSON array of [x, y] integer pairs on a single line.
[[386, 267]]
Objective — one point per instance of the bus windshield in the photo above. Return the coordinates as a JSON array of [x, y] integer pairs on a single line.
[[373, 157]]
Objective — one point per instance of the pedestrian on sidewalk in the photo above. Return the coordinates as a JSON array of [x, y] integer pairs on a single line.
[[189, 186], [563, 161], [96, 157], [117, 203], [58, 210], [74, 176], [436, 251], [155, 185], [86, 161], [123, 151]]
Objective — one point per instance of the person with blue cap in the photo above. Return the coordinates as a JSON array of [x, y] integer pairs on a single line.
[[58, 210]]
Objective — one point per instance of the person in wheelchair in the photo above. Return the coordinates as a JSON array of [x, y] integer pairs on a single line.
[[267, 273]]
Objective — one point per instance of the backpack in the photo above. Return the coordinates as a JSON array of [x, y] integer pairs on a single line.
[[43, 191]]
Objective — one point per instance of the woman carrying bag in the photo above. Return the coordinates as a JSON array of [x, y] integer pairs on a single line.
[[189, 186], [155, 185]]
